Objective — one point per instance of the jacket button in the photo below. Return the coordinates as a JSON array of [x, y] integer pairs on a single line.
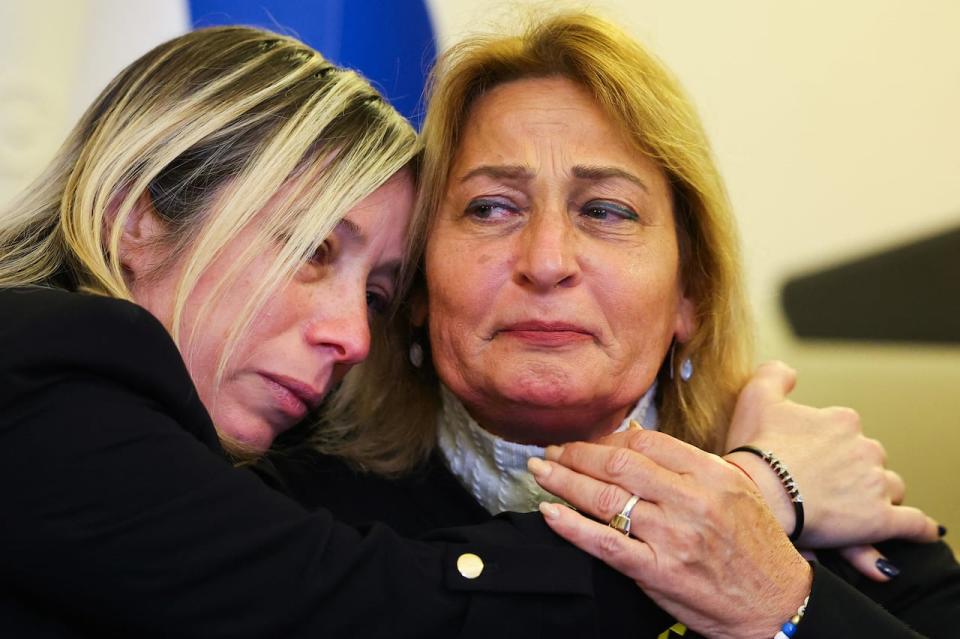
[[469, 565]]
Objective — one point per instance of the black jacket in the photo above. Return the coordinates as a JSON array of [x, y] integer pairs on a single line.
[[121, 515], [924, 601]]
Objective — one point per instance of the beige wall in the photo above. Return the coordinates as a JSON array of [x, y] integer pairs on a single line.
[[836, 125], [57, 56]]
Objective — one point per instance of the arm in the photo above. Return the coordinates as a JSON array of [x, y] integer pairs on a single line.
[[122, 518], [926, 595]]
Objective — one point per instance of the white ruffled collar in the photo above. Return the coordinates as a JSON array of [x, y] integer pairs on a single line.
[[493, 469]]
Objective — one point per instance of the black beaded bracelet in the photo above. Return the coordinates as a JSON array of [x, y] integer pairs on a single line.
[[786, 479]]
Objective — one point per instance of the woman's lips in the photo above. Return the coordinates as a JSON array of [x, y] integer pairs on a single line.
[[292, 397], [549, 334]]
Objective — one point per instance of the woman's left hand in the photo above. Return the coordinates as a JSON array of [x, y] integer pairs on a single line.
[[702, 544], [850, 497]]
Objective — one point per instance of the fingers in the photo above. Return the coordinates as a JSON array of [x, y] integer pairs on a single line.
[[624, 554], [771, 383], [913, 524], [600, 499], [666, 452], [896, 488], [769, 386], [870, 562], [619, 466], [776, 376]]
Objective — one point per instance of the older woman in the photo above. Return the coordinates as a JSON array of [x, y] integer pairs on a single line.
[[202, 261], [581, 274]]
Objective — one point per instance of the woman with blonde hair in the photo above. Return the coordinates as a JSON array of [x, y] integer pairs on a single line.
[[215, 245], [580, 274]]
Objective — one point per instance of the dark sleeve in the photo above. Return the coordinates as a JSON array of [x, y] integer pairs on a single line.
[[923, 601], [119, 518]]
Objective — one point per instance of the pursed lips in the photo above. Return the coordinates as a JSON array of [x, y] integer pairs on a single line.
[[546, 333]]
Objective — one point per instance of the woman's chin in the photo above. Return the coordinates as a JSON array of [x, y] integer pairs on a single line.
[[244, 433]]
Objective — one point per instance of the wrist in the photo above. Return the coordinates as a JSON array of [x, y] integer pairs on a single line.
[[786, 611], [771, 489], [790, 623]]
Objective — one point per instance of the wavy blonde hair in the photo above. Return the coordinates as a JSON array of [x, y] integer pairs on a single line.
[[384, 417], [209, 126]]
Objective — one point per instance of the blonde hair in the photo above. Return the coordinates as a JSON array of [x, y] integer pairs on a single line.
[[377, 407], [233, 116]]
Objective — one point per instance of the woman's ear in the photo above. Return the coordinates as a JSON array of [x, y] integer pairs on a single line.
[[139, 246], [686, 324], [418, 307]]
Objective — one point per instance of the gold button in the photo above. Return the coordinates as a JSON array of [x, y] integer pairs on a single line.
[[469, 565]]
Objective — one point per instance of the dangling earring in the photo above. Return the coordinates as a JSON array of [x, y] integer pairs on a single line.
[[686, 366], [416, 354]]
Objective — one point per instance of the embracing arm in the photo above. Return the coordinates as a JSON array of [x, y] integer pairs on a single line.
[[925, 596], [122, 518]]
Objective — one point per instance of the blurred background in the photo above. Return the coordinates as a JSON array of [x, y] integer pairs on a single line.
[[834, 123]]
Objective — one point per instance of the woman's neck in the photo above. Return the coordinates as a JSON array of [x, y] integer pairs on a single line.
[[494, 470]]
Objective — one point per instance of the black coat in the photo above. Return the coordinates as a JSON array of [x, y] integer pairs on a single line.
[[924, 601], [121, 515]]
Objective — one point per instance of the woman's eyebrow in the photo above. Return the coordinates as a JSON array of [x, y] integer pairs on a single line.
[[353, 229], [500, 171], [607, 172]]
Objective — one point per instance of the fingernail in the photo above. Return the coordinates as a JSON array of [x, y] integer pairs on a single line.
[[942, 531], [887, 568], [553, 452], [538, 467], [550, 511]]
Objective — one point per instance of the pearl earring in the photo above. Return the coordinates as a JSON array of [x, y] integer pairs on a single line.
[[686, 366], [416, 354]]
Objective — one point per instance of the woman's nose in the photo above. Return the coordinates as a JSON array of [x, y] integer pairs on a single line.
[[548, 256], [343, 327]]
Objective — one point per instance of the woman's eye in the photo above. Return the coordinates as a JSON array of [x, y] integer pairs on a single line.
[[604, 210], [377, 302], [486, 209], [323, 254]]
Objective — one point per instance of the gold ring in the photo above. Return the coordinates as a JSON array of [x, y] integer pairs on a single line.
[[621, 521]]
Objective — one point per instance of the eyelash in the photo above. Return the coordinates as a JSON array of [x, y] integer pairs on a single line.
[[476, 208], [480, 209], [618, 210]]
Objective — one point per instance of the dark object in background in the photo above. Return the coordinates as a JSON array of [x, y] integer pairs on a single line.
[[910, 293]]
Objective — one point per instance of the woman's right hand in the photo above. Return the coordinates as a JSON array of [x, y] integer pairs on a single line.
[[850, 498], [703, 545]]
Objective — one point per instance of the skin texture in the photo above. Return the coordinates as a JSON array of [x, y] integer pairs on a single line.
[[703, 545], [309, 333], [552, 267]]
